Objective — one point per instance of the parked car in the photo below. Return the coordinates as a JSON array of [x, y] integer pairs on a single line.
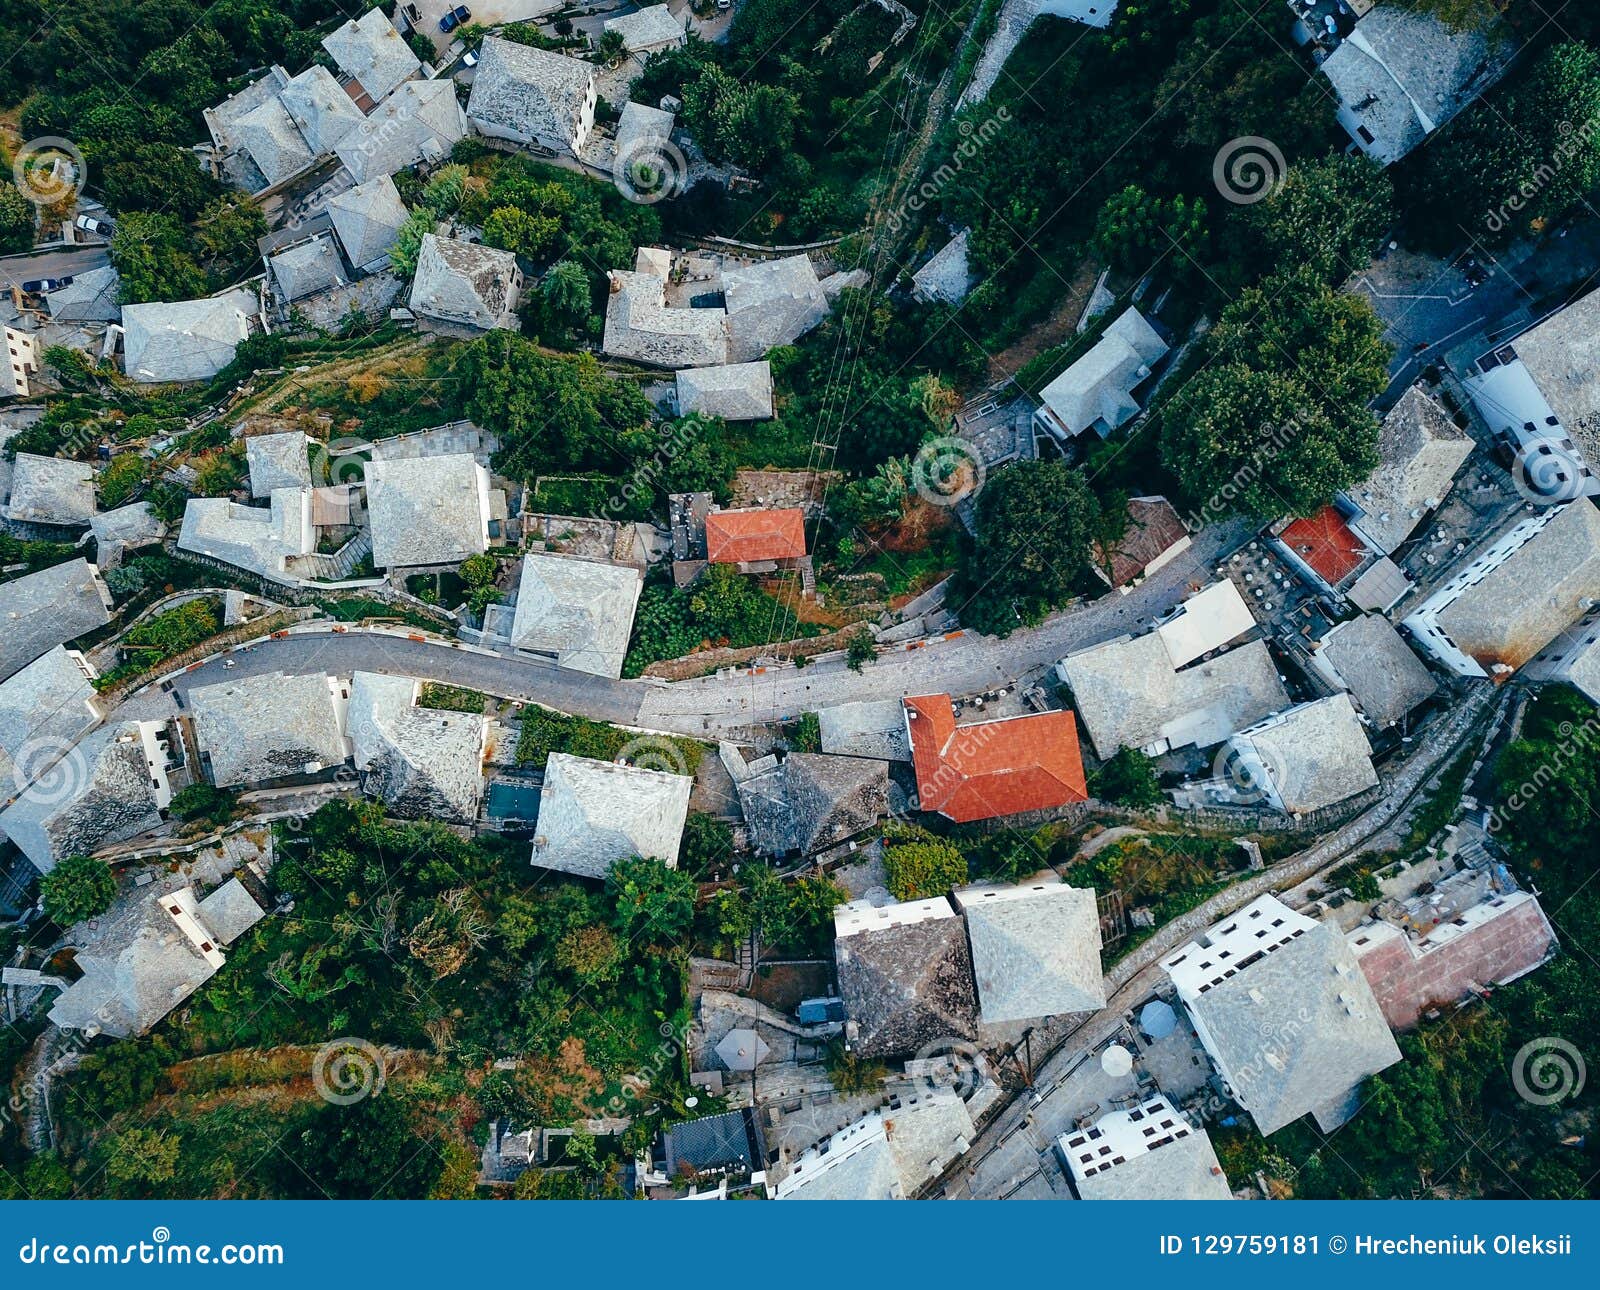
[[457, 17], [93, 224], [470, 58], [38, 286]]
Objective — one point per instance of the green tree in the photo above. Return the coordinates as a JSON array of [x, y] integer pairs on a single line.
[[408, 241], [917, 870], [78, 888], [1327, 215], [590, 953], [565, 289], [860, 650], [1036, 521], [1136, 231], [1128, 779], [479, 570], [16, 220], [152, 256], [227, 233], [650, 901], [143, 1157], [610, 48], [535, 237]]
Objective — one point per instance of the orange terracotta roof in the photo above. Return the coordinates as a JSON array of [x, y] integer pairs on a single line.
[[1326, 543], [993, 768], [734, 537]]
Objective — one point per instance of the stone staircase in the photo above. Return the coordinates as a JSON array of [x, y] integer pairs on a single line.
[[336, 567]]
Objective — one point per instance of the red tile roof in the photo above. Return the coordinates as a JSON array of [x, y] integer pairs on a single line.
[[1327, 544], [993, 768], [735, 537]]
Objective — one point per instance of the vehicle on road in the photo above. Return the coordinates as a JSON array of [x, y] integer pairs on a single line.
[[94, 224], [38, 286]]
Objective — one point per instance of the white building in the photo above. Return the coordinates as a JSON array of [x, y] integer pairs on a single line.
[[1516, 596], [1149, 1152]]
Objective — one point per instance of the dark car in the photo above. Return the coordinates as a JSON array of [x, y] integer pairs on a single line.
[[457, 17], [38, 286]]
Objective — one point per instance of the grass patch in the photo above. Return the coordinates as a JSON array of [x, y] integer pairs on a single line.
[[450, 698], [544, 732]]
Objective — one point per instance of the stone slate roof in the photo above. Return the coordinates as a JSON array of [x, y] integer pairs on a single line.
[[809, 801], [1420, 449], [422, 762], [1297, 1030], [642, 127], [1099, 386], [1403, 74], [368, 218], [728, 1143], [594, 813], [420, 121], [137, 963], [947, 275], [98, 794], [1128, 695], [905, 975], [1035, 949], [1535, 594], [579, 610], [648, 28], [281, 460], [871, 728], [533, 92], [185, 340], [1384, 677], [306, 269], [373, 52], [426, 510], [641, 325], [51, 607], [261, 539], [51, 490], [267, 727], [464, 282], [732, 391], [774, 302], [1315, 753], [91, 296], [273, 140], [133, 525], [1562, 355], [43, 708], [320, 108], [886, 1155]]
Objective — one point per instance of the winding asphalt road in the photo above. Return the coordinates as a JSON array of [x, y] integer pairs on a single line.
[[730, 702]]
